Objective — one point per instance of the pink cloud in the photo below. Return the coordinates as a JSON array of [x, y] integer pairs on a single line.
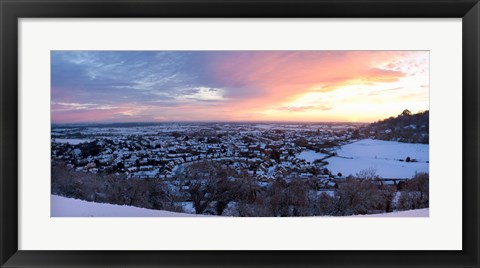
[[268, 79]]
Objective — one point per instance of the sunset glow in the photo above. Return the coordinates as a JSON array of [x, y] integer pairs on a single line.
[[166, 86]]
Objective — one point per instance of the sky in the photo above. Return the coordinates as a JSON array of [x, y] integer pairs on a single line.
[[184, 86]]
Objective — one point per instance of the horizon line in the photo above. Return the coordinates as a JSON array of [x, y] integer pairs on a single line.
[[209, 122]]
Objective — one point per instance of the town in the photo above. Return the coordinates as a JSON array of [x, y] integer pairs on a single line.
[[265, 151], [185, 157]]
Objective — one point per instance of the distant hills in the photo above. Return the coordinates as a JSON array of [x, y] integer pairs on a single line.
[[406, 127]]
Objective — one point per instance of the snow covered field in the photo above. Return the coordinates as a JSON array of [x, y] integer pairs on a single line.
[[384, 156], [391, 150], [71, 141], [310, 156], [69, 207]]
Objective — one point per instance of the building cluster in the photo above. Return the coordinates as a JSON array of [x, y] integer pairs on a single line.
[[163, 151]]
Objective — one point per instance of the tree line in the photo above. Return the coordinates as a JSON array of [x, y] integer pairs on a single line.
[[406, 127], [213, 188]]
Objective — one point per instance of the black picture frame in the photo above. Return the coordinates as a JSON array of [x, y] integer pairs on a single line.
[[12, 10]]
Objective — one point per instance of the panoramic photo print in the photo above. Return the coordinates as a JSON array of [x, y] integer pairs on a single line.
[[239, 133]]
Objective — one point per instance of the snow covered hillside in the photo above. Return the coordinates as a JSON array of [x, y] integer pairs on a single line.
[[384, 156], [69, 207], [424, 212]]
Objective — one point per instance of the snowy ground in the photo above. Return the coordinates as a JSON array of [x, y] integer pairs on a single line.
[[71, 141], [310, 156], [424, 212], [68, 207], [384, 156]]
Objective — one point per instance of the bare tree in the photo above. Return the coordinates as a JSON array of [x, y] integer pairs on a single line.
[[415, 193], [367, 174], [207, 182], [358, 197]]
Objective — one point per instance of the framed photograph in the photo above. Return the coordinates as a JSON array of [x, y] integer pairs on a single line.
[[226, 133]]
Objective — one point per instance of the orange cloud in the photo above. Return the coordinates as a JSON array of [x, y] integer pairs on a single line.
[[265, 80]]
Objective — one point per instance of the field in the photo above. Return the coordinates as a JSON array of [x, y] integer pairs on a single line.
[[388, 158]]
